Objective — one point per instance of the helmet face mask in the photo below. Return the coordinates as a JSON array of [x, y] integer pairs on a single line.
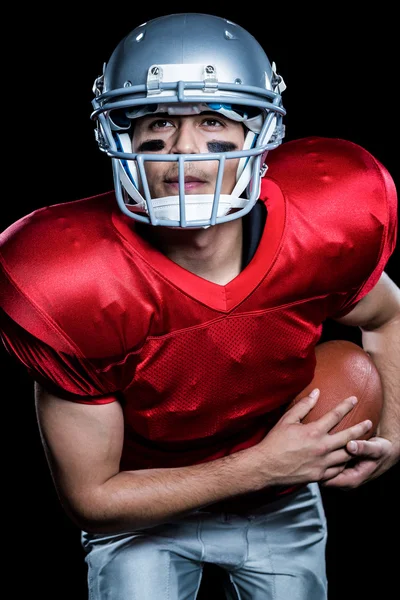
[[212, 65]]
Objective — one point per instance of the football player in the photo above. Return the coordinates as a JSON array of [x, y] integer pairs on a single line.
[[169, 322]]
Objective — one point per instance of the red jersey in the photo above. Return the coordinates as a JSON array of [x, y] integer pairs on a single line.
[[96, 314]]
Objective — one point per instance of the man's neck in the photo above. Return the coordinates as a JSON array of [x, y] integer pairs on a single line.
[[215, 253]]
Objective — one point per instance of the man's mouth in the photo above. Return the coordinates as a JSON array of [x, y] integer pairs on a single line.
[[191, 183]]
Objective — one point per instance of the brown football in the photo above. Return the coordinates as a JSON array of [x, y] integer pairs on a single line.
[[344, 369]]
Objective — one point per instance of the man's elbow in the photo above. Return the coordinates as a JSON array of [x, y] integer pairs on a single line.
[[92, 511]]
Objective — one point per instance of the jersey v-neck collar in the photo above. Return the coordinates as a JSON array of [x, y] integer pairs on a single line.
[[223, 298]]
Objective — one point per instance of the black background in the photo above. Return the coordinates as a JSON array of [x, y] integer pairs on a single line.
[[341, 73]]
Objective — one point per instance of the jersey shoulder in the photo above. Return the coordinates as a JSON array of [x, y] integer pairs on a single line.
[[51, 264], [341, 212], [326, 167], [50, 228], [48, 248]]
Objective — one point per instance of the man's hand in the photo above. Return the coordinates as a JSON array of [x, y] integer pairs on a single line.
[[371, 458], [294, 452]]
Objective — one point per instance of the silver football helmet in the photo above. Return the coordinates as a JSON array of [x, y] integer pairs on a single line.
[[186, 64]]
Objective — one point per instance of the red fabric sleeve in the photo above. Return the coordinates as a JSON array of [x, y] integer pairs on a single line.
[[388, 243], [68, 377]]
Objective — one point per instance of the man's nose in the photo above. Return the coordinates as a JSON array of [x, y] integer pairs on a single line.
[[185, 140]]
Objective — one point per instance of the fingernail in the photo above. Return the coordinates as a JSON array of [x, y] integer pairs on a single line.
[[314, 393], [352, 446]]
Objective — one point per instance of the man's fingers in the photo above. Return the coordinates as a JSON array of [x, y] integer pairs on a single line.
[[342, 438], [339, 457], [335, 415], [330, 418], [350, 477], [297, 412], [365, 448]]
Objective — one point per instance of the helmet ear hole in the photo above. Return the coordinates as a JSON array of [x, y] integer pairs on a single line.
[[119, 120]]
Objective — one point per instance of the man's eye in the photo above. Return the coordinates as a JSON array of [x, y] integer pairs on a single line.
[[212, 123], [160, 124]]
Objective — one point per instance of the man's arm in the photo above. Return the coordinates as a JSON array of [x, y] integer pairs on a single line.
[[83, 445], [378, 316]]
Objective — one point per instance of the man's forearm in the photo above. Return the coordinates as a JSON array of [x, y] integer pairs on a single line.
[[383, 344], [137, 499]]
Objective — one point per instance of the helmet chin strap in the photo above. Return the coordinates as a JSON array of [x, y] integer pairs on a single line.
[[197, 207]]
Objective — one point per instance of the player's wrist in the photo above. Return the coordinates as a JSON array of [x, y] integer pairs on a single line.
[[258, 474]]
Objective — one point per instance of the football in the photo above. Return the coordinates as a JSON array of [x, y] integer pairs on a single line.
[[345, 369]]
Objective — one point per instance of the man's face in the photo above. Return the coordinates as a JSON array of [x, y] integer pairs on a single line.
[[189, 134]]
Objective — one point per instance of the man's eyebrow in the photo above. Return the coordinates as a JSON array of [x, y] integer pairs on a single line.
[[156, 115], [162, 115], [211, 112]]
